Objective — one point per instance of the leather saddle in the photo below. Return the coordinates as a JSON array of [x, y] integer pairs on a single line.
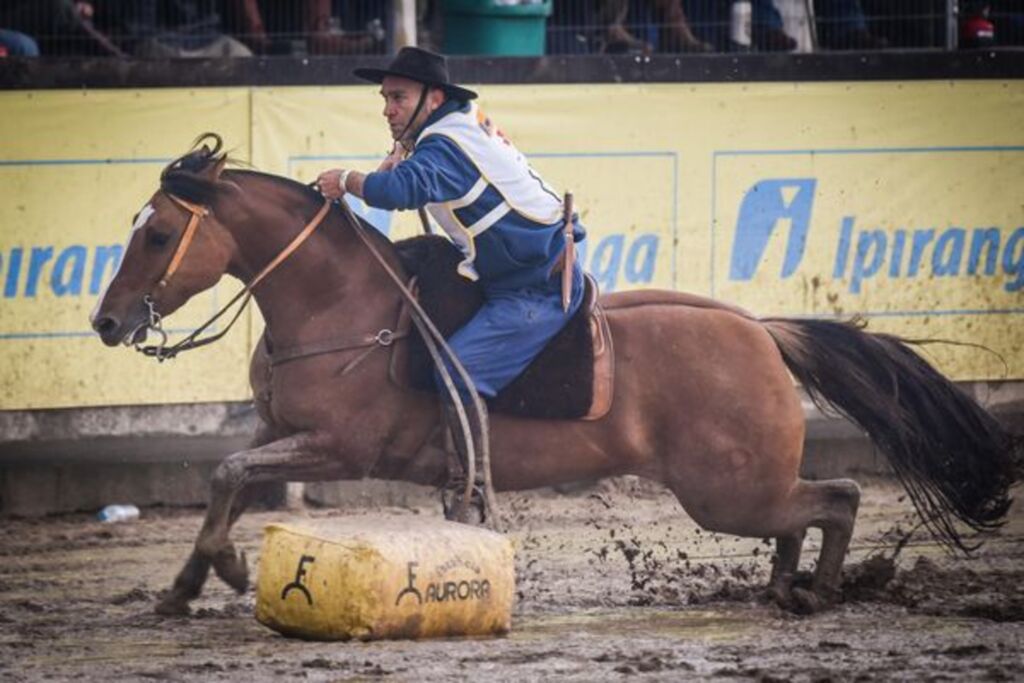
[[571, 378]]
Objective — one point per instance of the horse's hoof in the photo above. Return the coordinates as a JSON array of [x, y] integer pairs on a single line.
[[172, 606], [232, 569], [810, 602], [496, 523], [781, 596]]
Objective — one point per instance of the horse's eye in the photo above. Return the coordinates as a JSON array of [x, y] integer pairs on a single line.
[[157, 239]]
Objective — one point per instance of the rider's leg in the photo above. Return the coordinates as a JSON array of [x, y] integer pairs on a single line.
[[456, 506], [495, 346]]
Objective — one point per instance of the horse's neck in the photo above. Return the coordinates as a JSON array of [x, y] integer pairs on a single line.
[[330, 285]]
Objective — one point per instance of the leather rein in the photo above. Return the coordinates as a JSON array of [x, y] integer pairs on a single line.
[[432, 337], [163, 352]]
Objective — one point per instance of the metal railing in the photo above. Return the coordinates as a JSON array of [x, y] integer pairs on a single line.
[[197, 28], [695, 26]]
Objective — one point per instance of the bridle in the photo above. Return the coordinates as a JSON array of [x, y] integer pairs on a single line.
[[154, 322], [432, 337]]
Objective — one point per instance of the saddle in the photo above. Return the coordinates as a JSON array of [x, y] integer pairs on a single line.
[[571, 378]]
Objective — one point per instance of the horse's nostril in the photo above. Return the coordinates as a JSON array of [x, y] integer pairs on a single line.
[[105, 325]]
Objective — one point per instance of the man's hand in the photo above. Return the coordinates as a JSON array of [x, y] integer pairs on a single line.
[[329, 183]]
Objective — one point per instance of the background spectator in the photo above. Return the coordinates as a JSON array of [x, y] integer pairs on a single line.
[[58, 26], [622, 26], [976, 28], [1008, 18], [17, 44], [766, 29], [592, 27], [711, 24], [160, 29], [673, 32], [301, 26], [907, 23], [843, 26]]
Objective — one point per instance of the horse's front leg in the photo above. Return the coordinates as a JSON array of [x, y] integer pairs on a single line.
[[301, 457]]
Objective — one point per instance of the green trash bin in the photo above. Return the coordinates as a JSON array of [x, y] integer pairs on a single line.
[[495, 27]]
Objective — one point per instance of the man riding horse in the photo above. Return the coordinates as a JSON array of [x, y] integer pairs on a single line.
[[449, 159]]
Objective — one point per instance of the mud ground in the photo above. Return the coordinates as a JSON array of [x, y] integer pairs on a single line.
[[614, 583]]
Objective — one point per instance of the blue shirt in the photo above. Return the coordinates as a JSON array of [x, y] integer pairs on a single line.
[[514, 252]]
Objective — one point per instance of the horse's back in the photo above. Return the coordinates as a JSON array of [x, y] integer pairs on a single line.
[[665, 297], [692, 330], [712, 362]]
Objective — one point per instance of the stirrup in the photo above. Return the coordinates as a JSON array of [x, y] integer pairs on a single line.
[[452, 501]]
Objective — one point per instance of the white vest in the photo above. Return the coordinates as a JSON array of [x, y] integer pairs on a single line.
[[501, 166]]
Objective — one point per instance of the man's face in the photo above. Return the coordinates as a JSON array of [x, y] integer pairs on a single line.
[[401, 95]]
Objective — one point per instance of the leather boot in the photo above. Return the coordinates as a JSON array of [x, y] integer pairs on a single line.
[[452, 498]]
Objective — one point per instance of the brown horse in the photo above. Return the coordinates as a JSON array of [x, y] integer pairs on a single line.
[[703, 399]]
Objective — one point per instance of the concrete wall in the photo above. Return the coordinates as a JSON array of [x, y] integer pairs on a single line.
[[82, 459]]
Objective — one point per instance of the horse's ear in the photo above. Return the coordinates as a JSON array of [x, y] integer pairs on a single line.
[[218, 168]]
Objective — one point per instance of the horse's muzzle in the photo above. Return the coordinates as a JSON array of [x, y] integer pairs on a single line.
[[113, 332], [107, 328]]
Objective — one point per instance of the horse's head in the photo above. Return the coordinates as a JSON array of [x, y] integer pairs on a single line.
[[176, 249]]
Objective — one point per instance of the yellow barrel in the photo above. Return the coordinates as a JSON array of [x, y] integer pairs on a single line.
[[384, 577]]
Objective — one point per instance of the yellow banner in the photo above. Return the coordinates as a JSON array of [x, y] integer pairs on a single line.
[[896, 201], [74, 169]]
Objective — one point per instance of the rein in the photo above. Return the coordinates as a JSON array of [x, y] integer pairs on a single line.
[[436, 344], [161, 351], [432, 337]]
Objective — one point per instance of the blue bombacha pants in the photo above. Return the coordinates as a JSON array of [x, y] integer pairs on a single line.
[[509, 330]]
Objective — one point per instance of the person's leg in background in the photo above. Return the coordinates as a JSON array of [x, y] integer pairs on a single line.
[[614, 36], [675, 34], [568, 29], [766, 28], [843, 26], [1008, 17], [709, 20]]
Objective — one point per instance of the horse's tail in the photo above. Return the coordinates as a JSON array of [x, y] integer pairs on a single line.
[[951, 455]]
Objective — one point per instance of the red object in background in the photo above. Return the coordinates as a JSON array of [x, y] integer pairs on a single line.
[[977, 31], [3, 50]]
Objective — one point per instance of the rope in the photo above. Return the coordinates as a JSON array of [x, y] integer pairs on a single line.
[[434, 341]]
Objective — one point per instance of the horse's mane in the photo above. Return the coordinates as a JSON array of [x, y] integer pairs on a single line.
[[189, 175], [186, 176]]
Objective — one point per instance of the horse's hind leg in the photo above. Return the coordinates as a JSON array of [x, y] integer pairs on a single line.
[[784, 566], [298, 457], [832, 507]]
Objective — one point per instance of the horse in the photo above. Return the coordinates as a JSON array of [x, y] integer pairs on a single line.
[[704, 394]]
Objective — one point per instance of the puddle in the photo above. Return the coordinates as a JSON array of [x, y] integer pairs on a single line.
[[708, 625]]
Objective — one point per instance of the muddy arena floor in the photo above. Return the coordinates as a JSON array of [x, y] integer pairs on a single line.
[[614, 583]]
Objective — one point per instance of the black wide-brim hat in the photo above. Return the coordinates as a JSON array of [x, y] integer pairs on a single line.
[[422, 66]]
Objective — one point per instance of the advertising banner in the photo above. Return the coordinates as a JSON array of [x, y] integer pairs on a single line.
[[895, 201], [74, 169]]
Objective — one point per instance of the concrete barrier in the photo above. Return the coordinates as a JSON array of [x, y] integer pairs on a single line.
[[69, 460]]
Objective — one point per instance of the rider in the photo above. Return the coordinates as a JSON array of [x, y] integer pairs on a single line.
[[449, 158]]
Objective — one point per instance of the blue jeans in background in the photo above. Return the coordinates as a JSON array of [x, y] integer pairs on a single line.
[[18, 44]]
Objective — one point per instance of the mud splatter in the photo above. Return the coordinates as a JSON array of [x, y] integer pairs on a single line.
[[614, 582]]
